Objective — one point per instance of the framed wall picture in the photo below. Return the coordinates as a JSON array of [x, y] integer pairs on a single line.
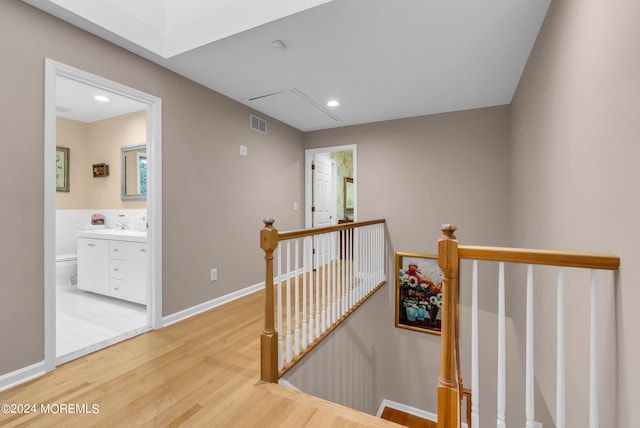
[[62, 169], [100, 170], [418, 292]]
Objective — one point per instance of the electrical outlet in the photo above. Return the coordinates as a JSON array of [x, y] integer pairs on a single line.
[[537, 424], [213, 275], [244, 151]]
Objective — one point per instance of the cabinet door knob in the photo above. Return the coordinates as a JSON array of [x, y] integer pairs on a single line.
[[91, 245], [114, 269], [143, 250], [115, 250]]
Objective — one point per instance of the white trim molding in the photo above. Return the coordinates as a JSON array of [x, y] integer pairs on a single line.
[[214, 303], [20, 376]]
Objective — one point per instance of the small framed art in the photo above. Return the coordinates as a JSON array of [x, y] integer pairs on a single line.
[[418, 292], [100, 170], [62, 169]]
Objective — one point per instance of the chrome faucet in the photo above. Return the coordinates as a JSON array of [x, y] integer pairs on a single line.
[[121, 224]]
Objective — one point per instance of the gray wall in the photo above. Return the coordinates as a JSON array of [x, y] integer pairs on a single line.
[[213, 200], [574, 162]]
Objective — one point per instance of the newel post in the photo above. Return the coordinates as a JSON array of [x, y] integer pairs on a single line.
[[269, 338], [448, 387]]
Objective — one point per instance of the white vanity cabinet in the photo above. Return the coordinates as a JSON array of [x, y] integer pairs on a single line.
[[93, 265], [114, 264]]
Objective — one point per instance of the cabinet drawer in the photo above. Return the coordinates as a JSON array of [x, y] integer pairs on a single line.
[[117, 250], [117, 269], [117, 288]]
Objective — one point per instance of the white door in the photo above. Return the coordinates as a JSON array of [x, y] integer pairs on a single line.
[[323, 197], [323, 207]]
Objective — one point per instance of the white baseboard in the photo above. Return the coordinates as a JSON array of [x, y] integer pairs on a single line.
[[205, 306], [410, 410], [20, 376], [287, 384]]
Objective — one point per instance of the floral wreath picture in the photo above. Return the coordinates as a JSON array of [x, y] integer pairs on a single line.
[[418, 292]]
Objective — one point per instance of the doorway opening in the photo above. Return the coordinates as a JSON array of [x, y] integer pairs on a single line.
[[86, 218], [330, 186]]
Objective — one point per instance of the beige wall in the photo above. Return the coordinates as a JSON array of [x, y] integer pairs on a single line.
[[74, 135], [98, 142], [574, 135], [213, 199]]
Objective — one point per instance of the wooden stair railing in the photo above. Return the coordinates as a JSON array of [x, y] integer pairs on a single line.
[[449, 384], [450, 390], [320, 277]]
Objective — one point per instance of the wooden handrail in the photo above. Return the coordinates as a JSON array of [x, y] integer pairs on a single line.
[[540, 257], [293, 234]]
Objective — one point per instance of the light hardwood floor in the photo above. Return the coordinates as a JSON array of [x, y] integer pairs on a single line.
[[201, 372]]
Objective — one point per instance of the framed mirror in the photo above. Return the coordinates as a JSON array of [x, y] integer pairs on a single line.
[[348, 196], [133, 176]]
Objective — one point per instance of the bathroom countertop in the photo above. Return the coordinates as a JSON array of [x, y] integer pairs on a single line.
[[114, 234]]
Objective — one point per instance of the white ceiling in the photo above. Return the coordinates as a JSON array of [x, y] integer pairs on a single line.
[[75, 100], [381, 59]]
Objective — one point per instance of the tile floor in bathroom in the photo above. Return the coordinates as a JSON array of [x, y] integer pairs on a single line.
[[85, 320]]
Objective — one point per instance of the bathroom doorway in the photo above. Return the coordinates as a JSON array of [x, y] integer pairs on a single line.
[[84, 162]]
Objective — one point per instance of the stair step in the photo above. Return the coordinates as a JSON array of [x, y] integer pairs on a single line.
[[406, 419]]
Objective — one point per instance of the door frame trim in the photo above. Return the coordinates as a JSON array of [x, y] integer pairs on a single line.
[[154, 204], [308, 179]]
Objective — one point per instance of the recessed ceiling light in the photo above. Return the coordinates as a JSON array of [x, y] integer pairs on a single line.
[[333, 103], [101, 98]]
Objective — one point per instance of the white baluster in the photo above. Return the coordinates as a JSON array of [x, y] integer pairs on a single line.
[[356, 265], [343, 276], [334, 294], [366, 251], [317, 284], [323, 246], [279, 311], [296, 303], [501, 423], [369, 261], [475, 386], [560, 357], [529, 395], [305, 269], [594, 399], [288, 297], [381, 253], [352, 271]]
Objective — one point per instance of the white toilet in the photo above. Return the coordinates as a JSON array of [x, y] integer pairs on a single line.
[[66, 270]]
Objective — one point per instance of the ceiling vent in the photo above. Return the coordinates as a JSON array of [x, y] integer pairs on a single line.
[[258, 124]]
